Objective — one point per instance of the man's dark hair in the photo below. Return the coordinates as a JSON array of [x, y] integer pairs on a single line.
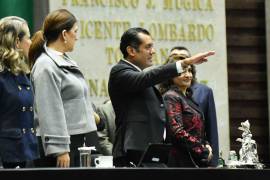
[[193, 69], [131, 38], [180, 48]]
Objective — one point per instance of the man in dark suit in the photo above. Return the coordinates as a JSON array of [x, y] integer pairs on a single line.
[[139, 109], [203, 96]]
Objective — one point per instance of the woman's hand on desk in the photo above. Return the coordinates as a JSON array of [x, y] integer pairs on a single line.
[[63, 160]]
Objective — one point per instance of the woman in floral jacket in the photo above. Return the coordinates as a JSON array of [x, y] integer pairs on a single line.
[[185, 124]]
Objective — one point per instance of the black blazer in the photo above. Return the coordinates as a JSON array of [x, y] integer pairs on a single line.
[[139, 109]]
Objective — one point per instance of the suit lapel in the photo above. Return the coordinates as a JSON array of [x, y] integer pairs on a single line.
[[158, 94], [190, 102], [195, 106]]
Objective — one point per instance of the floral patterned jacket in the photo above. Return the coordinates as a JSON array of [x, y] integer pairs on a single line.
[[185, 124]]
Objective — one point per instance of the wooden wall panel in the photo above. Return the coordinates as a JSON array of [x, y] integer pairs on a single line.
[[246, 49]]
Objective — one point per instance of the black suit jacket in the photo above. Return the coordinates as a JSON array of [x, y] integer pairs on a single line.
[[139, 109]]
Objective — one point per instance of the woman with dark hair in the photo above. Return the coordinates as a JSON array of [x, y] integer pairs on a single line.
[[17, 135], [185, 125], [63, 112], [204, 97]]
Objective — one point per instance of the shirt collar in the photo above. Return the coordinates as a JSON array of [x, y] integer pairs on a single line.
[[132, 65], [61, 59], [55, 52]]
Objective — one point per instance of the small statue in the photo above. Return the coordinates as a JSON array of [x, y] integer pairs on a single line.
[[248, 152]]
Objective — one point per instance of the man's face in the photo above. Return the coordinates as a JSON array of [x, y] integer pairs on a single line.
[[143, 56], [179, 53]]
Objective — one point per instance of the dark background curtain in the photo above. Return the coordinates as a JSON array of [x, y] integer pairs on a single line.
[[19, 8]]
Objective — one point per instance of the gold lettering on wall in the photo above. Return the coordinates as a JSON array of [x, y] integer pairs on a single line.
[[197, 5], [93, 87], [98, 34], [209, 5], [75, 2], [191, 32], [150, 4], [163, 54], [103, 29], [141, 24], [188, 5], [168, 4], [104, 88], [100, 3], [179, 32], [113, 55], [64, 2], [95, 29], [209, 32], [160, 56], [98, 87], [125, 4]]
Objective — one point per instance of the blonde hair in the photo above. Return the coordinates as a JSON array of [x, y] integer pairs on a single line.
[[11, 58]]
